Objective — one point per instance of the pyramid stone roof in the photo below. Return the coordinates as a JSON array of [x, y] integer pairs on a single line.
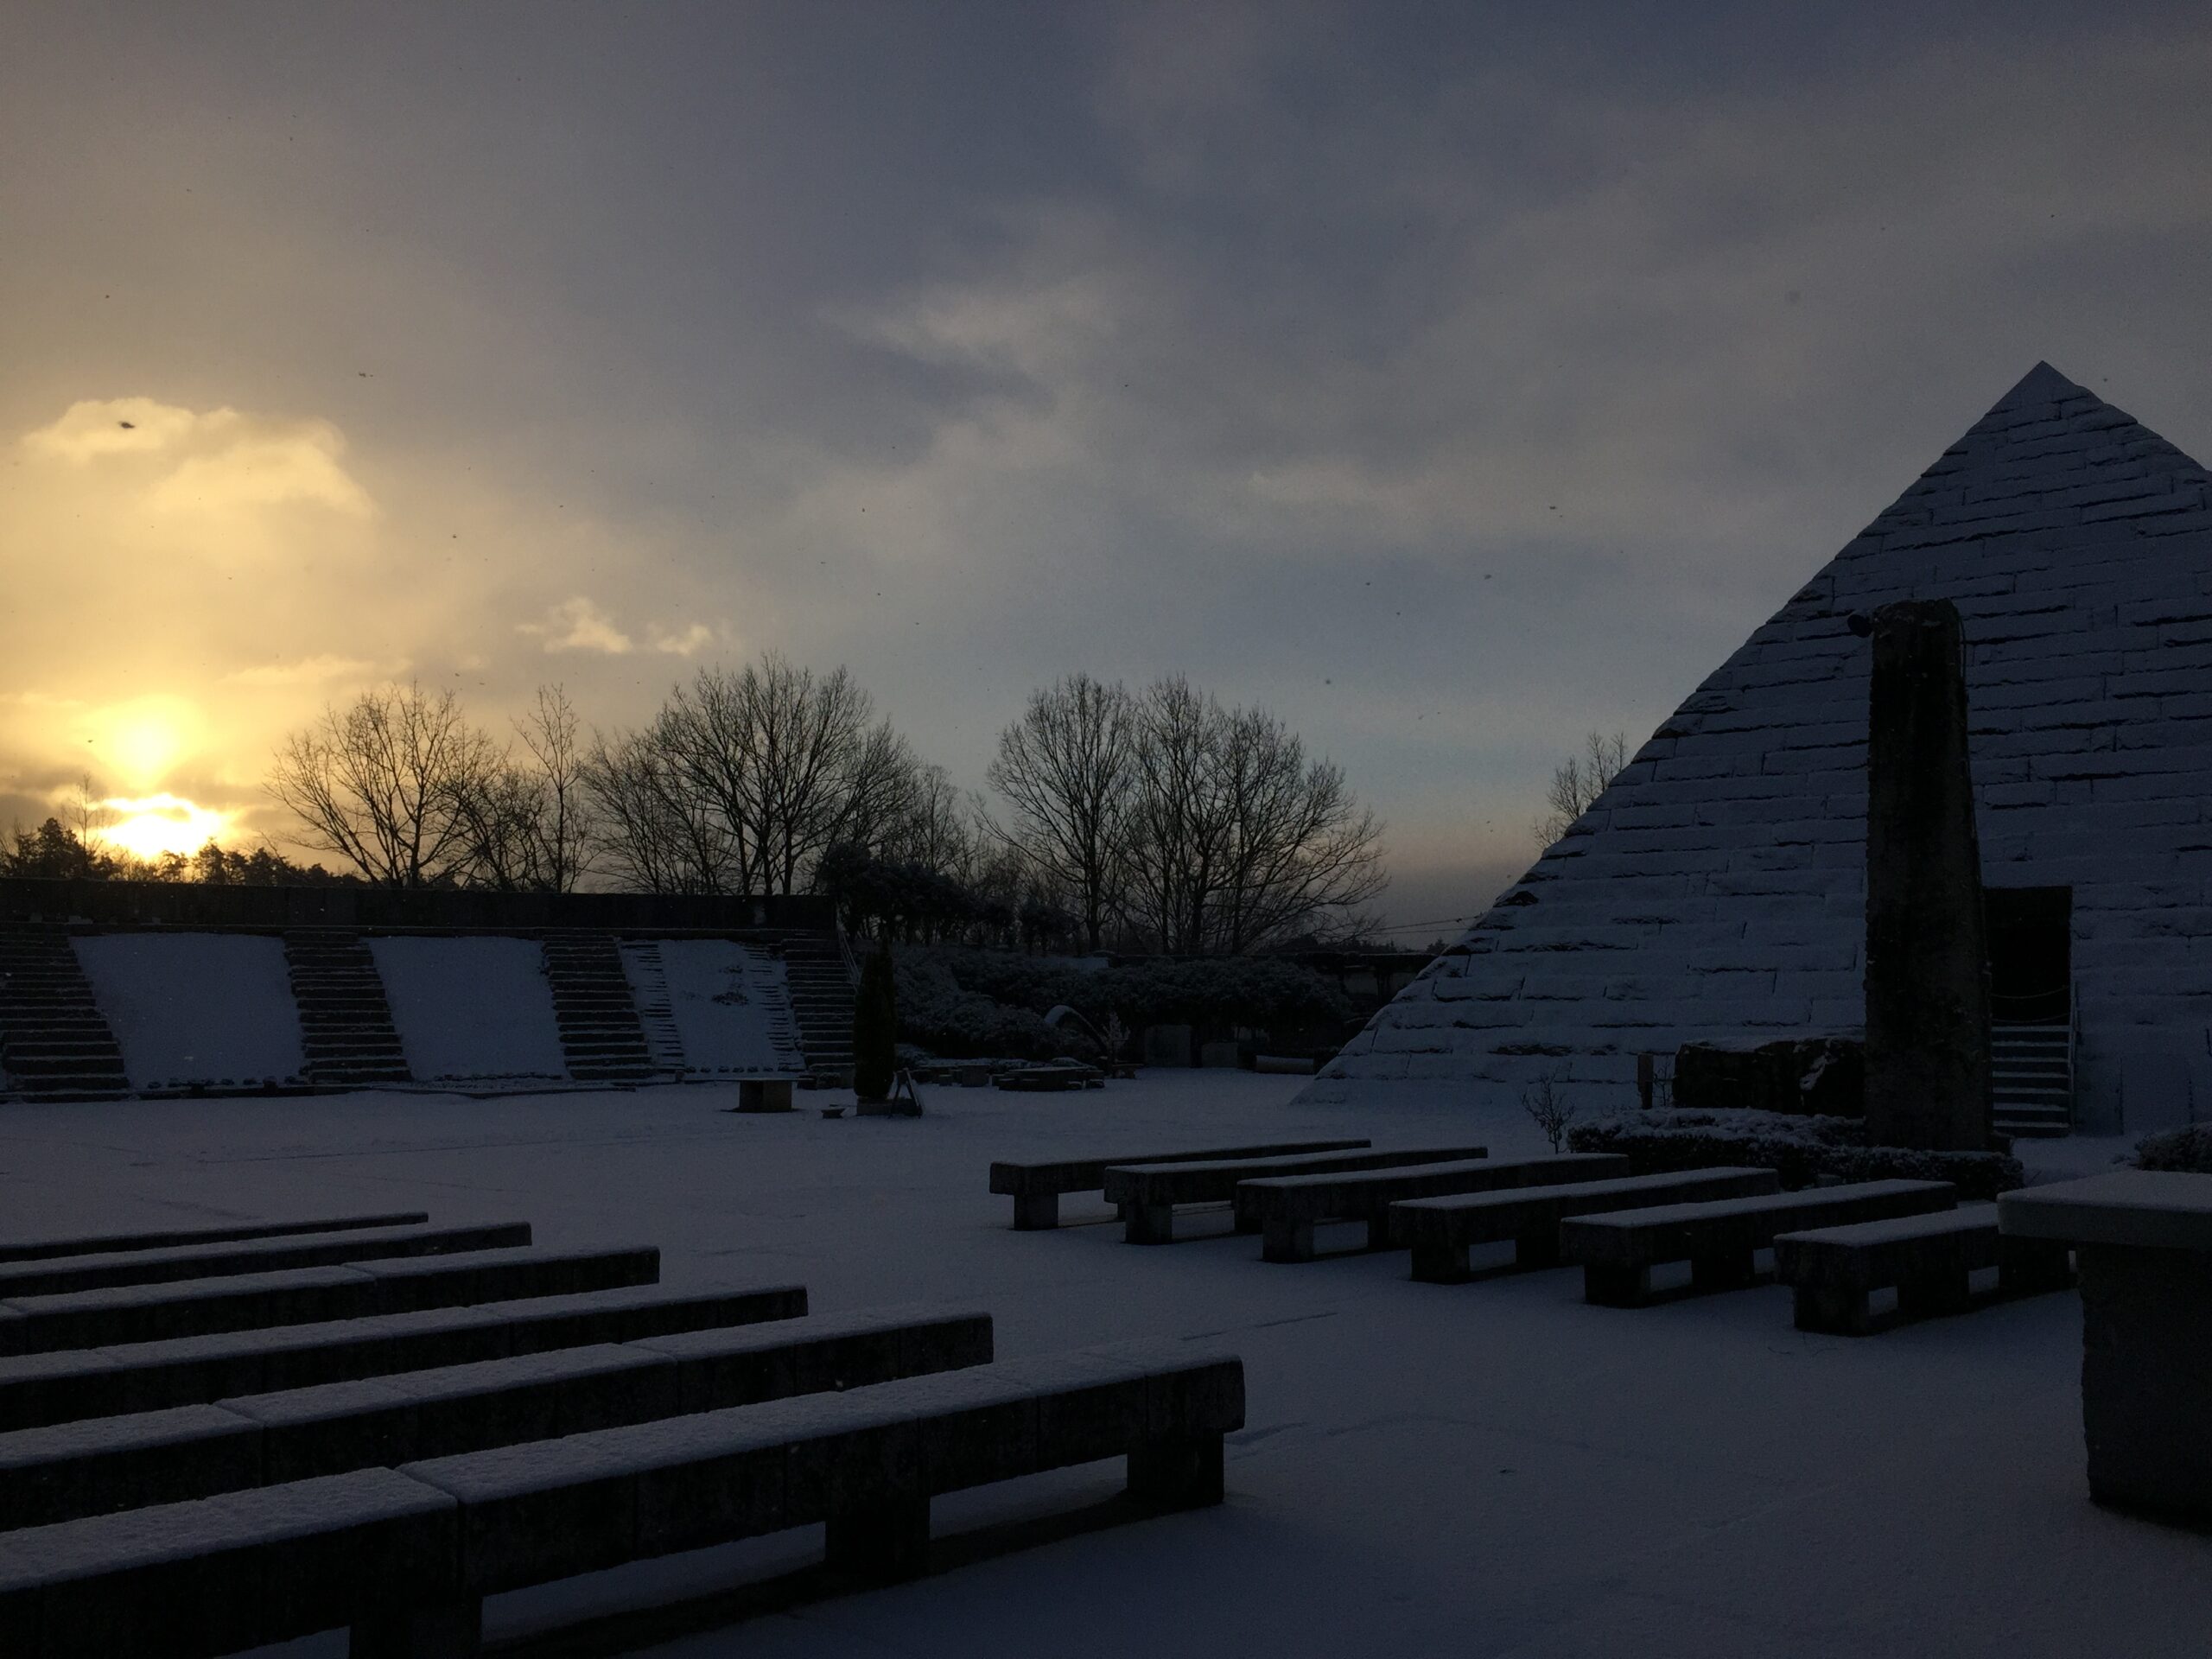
[[1715, 891]]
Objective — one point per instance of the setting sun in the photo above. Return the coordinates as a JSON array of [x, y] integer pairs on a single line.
[[156, 824]]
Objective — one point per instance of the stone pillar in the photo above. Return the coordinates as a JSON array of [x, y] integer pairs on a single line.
[[1928, 1081]]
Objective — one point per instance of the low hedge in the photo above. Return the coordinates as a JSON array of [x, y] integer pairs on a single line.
[[2189, 1149], [1798, 1150]]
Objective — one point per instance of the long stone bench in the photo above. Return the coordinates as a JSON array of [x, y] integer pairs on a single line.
[[101, 1465], [1285, 1208], [131, 1313], [2143, 1239], [1719, 1239], [1036, 1188], [60, 1275], [1440, 1231], [36, 1389], [405, 1556], [1835, 1271], [33, 1249], [1148, 1194]]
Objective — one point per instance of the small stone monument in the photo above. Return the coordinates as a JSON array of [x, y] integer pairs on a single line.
[[1927, 1073]]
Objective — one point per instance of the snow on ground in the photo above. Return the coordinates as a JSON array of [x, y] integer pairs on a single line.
[[1493, 1468], [195, 1007], [724, 1000], [471, 1009]]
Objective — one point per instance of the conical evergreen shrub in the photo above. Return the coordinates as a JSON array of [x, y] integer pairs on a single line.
[[875, 1028]]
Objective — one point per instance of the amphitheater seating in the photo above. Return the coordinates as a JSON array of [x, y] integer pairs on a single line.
[[1927, 1259], [1285, 1208], [208, 1493], [1036, 1188], [1148, 1194]]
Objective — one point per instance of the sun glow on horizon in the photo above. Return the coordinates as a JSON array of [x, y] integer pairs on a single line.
[[150, 825]]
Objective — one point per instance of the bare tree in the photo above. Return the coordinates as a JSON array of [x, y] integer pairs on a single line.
[[1236, 839], [384, 783], [1577, 782], [1068, 770], [743, 780], [538, 811]]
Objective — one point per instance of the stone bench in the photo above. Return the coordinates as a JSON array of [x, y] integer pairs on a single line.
[[2143, 1240], [404, 1557], [33, 1249], [1147, 1193], [133, 1313], [1036, 1188], [1719, 1238], [106, 1464], [59, 1275], [1285, 1208], [36, 1389], [1440, 1231], [1926, 1259]]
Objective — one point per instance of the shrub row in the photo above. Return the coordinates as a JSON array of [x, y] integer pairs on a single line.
[[2189, 1149], [1798, 1150]]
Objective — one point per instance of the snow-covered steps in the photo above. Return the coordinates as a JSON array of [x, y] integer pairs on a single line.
[[2032, 1078], [55, 1042], [602, 1034], [1927, 1260], [345, 1024], [821, 983]]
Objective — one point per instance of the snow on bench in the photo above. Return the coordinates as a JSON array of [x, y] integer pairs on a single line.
[[1926, 1259], [1285, 1207], [1035, 1188], [1440, 1231], [405, 1556], [101, 1465], [36, 1389], [131, 1313], [1718, 1239], [33, 1249], [1149, 1192], [59, 1275]]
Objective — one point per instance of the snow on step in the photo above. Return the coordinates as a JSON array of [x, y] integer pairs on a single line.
[[471, 1009]]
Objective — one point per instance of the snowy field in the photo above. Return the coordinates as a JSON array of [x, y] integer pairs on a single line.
[[1490, 1469]]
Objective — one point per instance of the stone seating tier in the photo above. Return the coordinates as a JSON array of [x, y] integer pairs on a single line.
[[1927, 1259], [1036, 1188], [1440, 1231], [1149, 1192], [59, 1275], [105, 1464], [133, 1313], [1285, 1208], [404, 1556], [35, 1249], [37, 1390], [1719, 1239]]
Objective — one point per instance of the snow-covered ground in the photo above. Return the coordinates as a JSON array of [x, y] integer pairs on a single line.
[[1491, 1468], [195, 1007], [471, 1008]]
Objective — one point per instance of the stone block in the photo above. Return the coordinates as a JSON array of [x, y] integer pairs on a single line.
[[93, 1467], [533, 1514]]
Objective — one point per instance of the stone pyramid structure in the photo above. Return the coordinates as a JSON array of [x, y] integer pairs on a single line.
[[1715, 892]]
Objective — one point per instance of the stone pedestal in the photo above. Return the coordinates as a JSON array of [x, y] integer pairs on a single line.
[[2144, 1242], [764, 1095], [1927, 1074]]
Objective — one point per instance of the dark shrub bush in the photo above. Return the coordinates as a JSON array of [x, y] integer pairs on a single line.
[[875, 1029], [2189, 1149], [1798, 1149]]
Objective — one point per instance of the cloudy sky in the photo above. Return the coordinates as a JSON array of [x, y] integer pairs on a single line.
[[1450, 378]]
